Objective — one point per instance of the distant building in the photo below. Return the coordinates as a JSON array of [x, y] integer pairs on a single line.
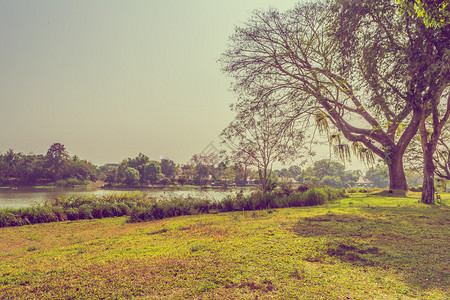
[[287, 179], [364, 182]]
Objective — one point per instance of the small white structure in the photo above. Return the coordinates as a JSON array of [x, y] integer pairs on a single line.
[[363, 182]]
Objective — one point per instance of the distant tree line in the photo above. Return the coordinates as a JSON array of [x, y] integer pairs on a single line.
[[58, 168]]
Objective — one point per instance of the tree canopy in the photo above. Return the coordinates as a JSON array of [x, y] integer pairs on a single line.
[[435, 13], [358, 68]]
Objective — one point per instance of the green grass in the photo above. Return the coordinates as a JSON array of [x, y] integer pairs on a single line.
[[361, 247]]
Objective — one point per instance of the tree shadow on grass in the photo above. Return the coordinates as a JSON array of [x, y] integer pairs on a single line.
[[413, 241]]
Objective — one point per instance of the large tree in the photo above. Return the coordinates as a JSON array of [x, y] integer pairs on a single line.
[[168, 168], [152, 172], [57, 158], [350, 61], [418, 57]]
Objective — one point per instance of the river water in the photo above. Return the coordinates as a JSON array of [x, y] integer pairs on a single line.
[[27, 196]]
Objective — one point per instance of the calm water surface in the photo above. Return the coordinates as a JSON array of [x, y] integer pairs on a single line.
[[27, 196]]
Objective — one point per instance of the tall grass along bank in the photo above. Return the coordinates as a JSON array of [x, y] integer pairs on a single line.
[[139, 207]]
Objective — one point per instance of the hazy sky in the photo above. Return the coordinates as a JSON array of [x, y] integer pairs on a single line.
[[110, 79]]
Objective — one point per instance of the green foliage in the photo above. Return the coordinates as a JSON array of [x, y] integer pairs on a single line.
[[141, 208], [56, 168], [165, 181], [379, 175], [152, 172], [132, 176], [434, 13], [416, 188], [328, 172], [332, 181], [182, 179], [168, 168]]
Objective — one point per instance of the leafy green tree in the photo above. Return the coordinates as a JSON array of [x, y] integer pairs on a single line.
[[39, 169], [334, 173], [57, 159], [326, 167], [38, 174], [165, 181], [182, 179], [139, 163], [188, 170], [81, 169], [309, 179], [332, 181], [242, 172], [132, 176], [285, 173], [168, 168], [152, 172], [108, 172]]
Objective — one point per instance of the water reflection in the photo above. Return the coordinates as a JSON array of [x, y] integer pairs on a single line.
[[27, 196]]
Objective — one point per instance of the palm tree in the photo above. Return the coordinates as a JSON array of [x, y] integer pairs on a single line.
[[11, 160]]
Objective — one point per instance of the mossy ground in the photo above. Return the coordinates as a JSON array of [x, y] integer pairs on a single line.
[[361, 247]]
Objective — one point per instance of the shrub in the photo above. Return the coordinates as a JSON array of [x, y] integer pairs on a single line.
[[202, 205], [244, 203], [141, 214], [315, 196], [295, 200], [302, 188], [72, 213], [416, 189], [42, 214], [124, 208], [286, 187], [8, 219], [59, 213], [85, 212], [226, 204], [267, 200]]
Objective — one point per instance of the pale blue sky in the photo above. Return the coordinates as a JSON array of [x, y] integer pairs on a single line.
[[110, 79]]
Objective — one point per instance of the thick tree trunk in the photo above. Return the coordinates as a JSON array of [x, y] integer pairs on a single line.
[[428, 189], [397, 175]]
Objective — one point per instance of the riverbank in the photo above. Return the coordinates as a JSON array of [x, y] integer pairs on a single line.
[[361, 247], [141, 207], [28, 196]]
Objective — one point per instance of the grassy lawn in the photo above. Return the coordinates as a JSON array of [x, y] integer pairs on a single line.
[[361, 247]]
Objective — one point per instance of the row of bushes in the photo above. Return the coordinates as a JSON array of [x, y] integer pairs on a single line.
[[416, 188], [138, 207], [77, 207]]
